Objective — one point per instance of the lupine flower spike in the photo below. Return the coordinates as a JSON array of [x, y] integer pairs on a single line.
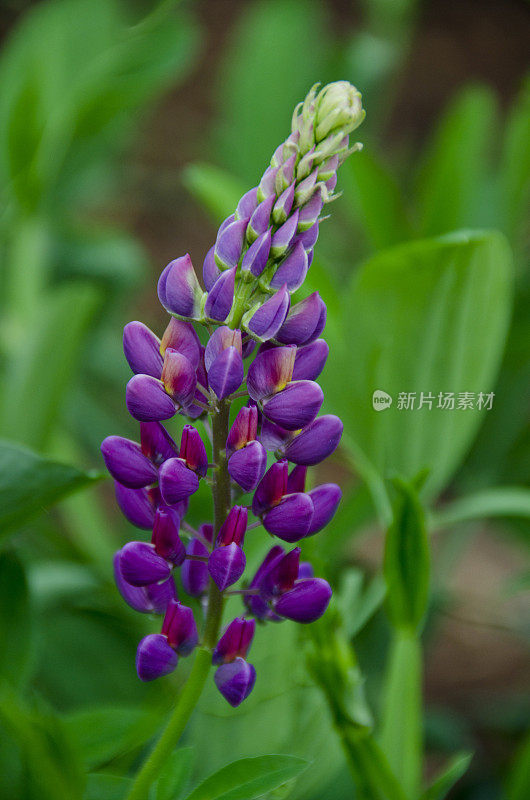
[[261, 345]]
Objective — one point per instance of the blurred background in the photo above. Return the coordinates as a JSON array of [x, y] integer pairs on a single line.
[[128, 131]]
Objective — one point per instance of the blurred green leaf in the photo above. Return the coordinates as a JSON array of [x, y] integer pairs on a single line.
[[214, 188], [249, 778], [452, 773], [515, 164], [15, 619], [453, 177], [428, 316], [499, 501], [106, 787], [29, 484], [407, 562], [174, 777], [518, 780], [359, 603]]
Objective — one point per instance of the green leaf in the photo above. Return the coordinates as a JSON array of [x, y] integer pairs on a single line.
[[30, 484], [401, 734], [499, 501], [106, 787], [175, 775], [455, 172], [407, 563], [214, 188], [428, 316], [515, 164], [249, 778], [518, 780], [452, 773], [15, 620]]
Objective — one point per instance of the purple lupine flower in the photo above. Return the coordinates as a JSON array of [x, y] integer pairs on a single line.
[[260, 257]]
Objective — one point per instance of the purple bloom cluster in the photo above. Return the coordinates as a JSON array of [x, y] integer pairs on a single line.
[[264, 348]]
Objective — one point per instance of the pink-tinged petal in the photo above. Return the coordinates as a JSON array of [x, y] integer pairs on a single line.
[[147, 400], [326, 499], [136, 505], [156, 442], [292, 270], [177, 482], [193, 451], [150, 599], [256, 257], [310, 360], [235, 641], [210, 270], [225, 375], [126, 462], [194, 574], [244, 429], [182, 337], [229, 244], [165, 538], [302, 321], [221, 296], [296, 480], [271, 488], [306, 601], [270, 372], [290, 520], [234, 527], [235, 681], [268, 319], [295, 406], [178, 288], [222, 338], [316, 442], [154, 657], [180, 628], [142, 349], [226, 565], [179, 377], [247, 466], [141, 565]]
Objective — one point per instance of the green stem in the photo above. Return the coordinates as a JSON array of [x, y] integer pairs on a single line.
[[191, 692]]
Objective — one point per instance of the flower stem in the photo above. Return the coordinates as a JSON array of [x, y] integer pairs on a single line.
[[192, 689]]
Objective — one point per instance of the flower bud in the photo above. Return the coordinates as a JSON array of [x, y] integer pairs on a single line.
[[283, 237], [210, 270], [269, 317], [235, 641], [338, 108], [267, 186], [142, 349], [310, 212], [126, 462], [247, 466], [306, 188], [292, 270], [140, 564], [154, 657], [285, 174], [229, 244], [282, 207], [221, 296], [255, 259], [176, 481], [316, 442], [179, 290], [180, 628], [235, 681], [247, 204], [310, 360], [193, 451], [306, 601], [150, 599], [304, 322], [261, 218], [226, 565], [165, 538]]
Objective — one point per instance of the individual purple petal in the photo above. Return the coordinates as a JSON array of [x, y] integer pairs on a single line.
[[286, 571], [150, 599], [225, 223], [306, 601], [156, 443], [331, 183], [290, 520], [248, 347], [207, 531], [292, 270], [247, 465], [305, 188], [225, 376], [305, 570], [271, 488], [142, 349], [126, 462], [260, 219], [193, 451], [222, 338], [272, 436], [247, 204], [210, 270], [235, 681], [244, 429], [282, 207], [296, 480], [267, 186], [180, 628], [226, 565], [234, 527], [235, 641], [270, 372], [140, 564], [136, 505], [308, 237], [284, 235], [178, 288], [268, 319], [221, 296], [229, 244], [295, 406], [179, 377], [316, 442], [147, 400], [310, 360], [326, 499], [154, 657], [182, 337], [176, 481], [256, 257], [302, 321], [165, 538], [194, 574], [310, 212]]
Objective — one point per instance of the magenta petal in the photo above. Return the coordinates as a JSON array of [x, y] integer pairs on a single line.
[[226, 565], [244, 429], [142, 349], [295, 406], [165, 538], [303, 320], [296, 480], [235, 641], [221, 296], [268, 319], [180, 628], [292, 270], [286, 571], [136, 505], [126, 462], [271, 488], [310, 360], [194, 574], [147, 399], [306, 601], [193, 451], [326, 499], [140, 564], [316, 442], [234, 527], [179, 377], [290, 520], [182, 337], [176, 481], [154, 657], [156, 442], [225, 375], [150, 599], [247, 465], [235, 681], [270, 371]]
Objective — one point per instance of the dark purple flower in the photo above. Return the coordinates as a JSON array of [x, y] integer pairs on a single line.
[[247, 465], [270, 372], [226, 565], [182, 337], [316, 442], [244, 429], [234, 527], [147, 400], [126, 462], [271, 488], [235, 641], [193, 451], [305, 602], [165, 538], [235, 680], [154, 657], [140, 564], [136, 504], [224, 362], [290, 520], [295, 406], [305, 321], [180, 628], [150, 599], [177, 481], [310, 360]]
